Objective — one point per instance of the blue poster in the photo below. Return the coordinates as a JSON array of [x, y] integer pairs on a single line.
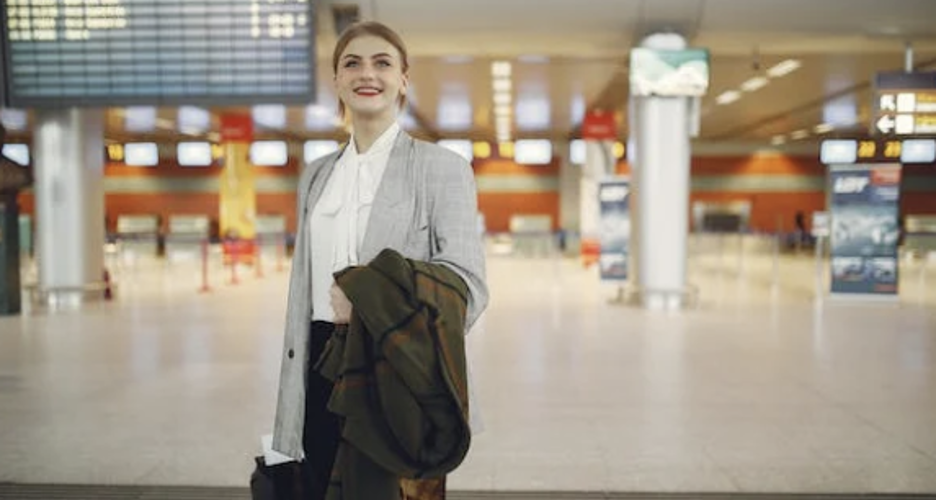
[[865, 210], [614, 228]]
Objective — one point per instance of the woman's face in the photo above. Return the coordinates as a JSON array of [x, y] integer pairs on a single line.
[[370, 78]]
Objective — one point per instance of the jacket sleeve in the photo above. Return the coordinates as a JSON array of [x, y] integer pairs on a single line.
[[453, 219]]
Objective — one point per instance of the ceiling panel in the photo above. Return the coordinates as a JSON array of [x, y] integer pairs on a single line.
[[574, 55]]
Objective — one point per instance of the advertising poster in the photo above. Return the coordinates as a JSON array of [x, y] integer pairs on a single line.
[[614, 228], [865, 228], [238, 198]]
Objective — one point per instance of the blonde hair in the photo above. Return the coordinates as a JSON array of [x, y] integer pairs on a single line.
[[370, 28]]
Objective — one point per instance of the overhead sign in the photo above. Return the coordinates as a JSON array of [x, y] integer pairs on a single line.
[[599, 125], [61, 53], [905, 104], [878, 150], [669, 72]]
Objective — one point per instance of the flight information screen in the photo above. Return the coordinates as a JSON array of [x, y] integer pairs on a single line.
[[61, 53]]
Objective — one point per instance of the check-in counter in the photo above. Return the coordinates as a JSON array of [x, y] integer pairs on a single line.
[[271, 234], [920, 235], [186, 235], [138, 236], [532, 234]]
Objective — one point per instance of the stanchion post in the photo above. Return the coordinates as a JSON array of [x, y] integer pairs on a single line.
[[205, 287], [258, 257], [280, 252], [820, 251], [776, 254], [234, 254]]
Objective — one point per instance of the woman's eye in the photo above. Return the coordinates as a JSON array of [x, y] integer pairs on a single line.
[[383, 64], [350, 64]]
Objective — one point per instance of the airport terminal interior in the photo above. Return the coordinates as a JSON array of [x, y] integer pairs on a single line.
[[709, 229]]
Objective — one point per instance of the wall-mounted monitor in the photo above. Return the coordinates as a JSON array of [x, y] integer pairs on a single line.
[[533, 151], [269, 153], [141, 154], [194, 154]]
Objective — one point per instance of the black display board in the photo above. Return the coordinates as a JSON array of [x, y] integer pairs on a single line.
[[64, 53]]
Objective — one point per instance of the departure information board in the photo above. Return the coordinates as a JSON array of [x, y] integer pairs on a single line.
[[60, 53]]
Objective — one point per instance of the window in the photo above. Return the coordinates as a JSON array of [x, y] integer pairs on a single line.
[[141, 154], [18, 153], [269, 153], [193, 120], [269, 116], [140, 119]]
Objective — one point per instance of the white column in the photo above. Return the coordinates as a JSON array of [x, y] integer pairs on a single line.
[[661, 173], [69, 168]]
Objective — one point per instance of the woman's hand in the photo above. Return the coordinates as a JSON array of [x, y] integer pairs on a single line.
[[340, 305]]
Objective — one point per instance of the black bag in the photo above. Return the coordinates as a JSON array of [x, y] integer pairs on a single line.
[[276, 482]]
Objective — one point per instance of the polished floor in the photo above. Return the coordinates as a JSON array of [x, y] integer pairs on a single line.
[[763, 387]]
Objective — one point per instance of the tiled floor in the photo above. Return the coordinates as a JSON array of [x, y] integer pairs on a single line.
[[761, 388]]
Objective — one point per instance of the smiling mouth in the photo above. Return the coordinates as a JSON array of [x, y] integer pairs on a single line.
[[367, 91]]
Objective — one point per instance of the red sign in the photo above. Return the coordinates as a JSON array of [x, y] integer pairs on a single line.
[[236, 128], [599, 125]]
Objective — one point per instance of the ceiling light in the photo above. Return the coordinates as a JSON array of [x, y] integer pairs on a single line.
[[502, 110], [503, 122], [728, 97], [778, 140], [799, 134], [756, 83], [784, 68], [502, 99], [502, 85], [505, 149], [823, 128], [482, 149], [500, 69]]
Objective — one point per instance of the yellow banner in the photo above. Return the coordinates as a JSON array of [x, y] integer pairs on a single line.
[[238, 211]]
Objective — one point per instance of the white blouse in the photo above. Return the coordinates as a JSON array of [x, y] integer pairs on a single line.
[[339, 219]]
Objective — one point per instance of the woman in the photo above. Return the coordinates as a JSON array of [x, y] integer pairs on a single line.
[[383, 190]]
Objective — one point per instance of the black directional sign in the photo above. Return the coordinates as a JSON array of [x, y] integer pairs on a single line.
[[905, 104]]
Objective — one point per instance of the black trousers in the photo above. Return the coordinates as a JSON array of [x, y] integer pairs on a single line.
[[321, 431]]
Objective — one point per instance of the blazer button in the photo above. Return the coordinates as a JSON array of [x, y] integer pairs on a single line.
[[291, 354]]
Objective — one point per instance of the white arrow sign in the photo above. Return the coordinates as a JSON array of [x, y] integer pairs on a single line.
[[888, 102], [886, 124]]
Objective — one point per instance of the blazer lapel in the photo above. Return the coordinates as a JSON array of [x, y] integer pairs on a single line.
[[317, 183], [392, 191]]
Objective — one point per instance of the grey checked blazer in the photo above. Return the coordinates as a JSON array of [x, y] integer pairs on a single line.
[[425, 208]]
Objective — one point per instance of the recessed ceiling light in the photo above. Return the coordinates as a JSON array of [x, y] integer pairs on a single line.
[[823, 128], [778, 140], [784, 68], [500, 69], [728, 97], [799, 134], [502, 85], [756, 83], [502, 110]]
